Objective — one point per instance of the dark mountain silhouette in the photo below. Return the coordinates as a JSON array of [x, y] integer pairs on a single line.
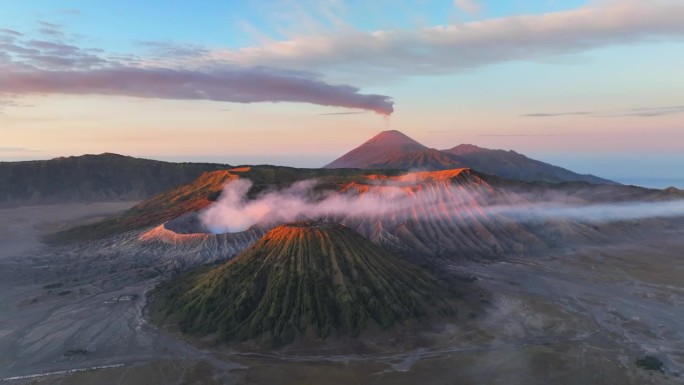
[[305, 281], [512, 165], [394, 150], [103, 177], [109, 177]]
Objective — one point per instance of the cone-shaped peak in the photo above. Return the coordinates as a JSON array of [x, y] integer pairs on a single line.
[[377, 150], [306, 281], [394, 138]]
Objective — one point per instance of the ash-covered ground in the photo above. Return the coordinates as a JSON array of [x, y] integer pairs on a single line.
[[74, 315]]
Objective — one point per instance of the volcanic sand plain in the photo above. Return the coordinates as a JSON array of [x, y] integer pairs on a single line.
[[75, 315]]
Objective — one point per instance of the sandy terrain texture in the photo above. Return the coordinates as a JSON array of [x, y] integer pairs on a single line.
[[75, 315], [22, 227]]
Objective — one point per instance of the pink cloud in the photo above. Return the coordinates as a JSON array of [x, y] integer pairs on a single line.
[[54, 67], [239, 85]]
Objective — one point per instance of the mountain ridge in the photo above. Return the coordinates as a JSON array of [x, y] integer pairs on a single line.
[[394, 150], [87, 178], [517, 166]]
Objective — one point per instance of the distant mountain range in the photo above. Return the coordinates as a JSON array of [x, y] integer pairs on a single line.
[[110, 177], [89, 178], [394, 150]]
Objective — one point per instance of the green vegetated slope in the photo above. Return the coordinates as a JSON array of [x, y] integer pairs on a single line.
[[306, 280]]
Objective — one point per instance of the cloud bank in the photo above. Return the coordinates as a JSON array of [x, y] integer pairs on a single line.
[[32, 66], [238, 85], [291, 70], [462, 46]]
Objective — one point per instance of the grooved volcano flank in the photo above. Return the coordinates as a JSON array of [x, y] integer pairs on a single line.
[[305, 281]]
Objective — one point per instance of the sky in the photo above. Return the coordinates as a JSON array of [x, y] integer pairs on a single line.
[[595, 86]]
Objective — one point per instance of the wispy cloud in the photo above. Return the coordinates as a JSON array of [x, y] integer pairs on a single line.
[[10, 32], [16, 149], [70, 11], [554, 114], [11, 103], [470, 6], [47, 54], [648, 112], [173, 50], [51, 32], [520, 135]]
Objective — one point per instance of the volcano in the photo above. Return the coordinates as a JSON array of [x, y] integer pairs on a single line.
[[306, 281], [394, 150]]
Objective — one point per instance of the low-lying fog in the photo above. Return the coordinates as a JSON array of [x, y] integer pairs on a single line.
[[234, 212]]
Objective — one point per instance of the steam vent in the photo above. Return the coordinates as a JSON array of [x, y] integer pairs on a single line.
[[305, 281]]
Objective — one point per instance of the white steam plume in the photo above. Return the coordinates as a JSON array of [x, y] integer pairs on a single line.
[[234, 212]]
